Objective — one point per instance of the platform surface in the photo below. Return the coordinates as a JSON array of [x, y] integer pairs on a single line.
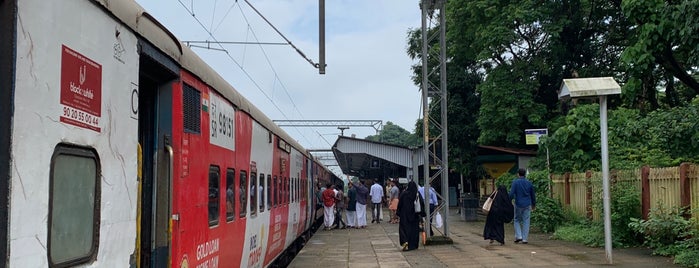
[[377, 246]]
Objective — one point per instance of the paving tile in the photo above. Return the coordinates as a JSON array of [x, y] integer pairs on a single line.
[[378, 246]]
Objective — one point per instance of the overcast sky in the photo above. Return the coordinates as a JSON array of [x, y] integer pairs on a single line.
[[368, 70]]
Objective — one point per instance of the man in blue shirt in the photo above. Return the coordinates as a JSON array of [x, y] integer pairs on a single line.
[[433, 202], [522, 191]]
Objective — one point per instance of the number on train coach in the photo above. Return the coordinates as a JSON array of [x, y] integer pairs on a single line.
[[222, 127]]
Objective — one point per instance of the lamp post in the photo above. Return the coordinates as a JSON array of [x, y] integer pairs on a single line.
[[599, 87]]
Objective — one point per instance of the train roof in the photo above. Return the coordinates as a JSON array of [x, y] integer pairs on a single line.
[[141, 22]]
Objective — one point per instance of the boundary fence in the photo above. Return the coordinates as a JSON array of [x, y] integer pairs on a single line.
[[670, 186]]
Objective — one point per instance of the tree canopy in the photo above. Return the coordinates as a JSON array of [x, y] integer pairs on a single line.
[[507, 59], [394, 134]]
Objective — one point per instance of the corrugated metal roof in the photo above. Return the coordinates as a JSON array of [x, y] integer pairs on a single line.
[[355, 155], [395, 154]]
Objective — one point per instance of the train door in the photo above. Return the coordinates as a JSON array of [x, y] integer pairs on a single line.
[[7, 78], [156, 78]]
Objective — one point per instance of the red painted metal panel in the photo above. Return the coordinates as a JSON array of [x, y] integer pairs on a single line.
[[194, 241], [280, 214]]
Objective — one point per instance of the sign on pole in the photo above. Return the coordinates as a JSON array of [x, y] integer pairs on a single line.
[[532, 135]]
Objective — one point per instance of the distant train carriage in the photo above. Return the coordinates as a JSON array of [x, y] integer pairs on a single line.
[[121, 148]]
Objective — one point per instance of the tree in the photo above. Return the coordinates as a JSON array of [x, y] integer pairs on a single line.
[[462, 100], [665, 137], [665, 47], [525, 48], [394, 134]]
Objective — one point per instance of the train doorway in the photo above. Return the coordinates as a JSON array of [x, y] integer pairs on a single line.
[[8, 31], [156, 78]]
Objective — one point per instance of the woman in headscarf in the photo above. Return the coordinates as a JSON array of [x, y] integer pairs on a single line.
[[501, 211], [409, 223]]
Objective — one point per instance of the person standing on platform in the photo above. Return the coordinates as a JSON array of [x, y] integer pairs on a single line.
[[376, 198], [351, 206], [319, 196], [501, 212], [339, 207], [409, 223], [387, 193], [362, 195], [522, 191], [329, 206], [433, 203], [393, 201]]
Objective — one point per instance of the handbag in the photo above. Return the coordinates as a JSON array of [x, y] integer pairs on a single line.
[[489, 202], [418, 206]]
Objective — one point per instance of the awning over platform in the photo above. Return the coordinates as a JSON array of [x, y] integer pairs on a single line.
[[370, 159]]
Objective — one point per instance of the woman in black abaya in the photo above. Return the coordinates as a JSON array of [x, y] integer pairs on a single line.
[[502, 211], [409, 224]]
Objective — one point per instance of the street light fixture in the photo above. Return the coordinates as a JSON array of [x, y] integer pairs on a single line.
[[601, 87], [342, 129]]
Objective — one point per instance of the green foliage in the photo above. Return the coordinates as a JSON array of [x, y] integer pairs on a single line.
[[668, 233], [548, 214], [624, 207], [574, 145], [624, 204], [508, 106], [588, 233], [394, 134], [664, 47], [663, 229], [689, 253], [666, 137]]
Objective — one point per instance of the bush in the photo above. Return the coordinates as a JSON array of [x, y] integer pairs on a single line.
[[625, 204], [588, 233], [689, 253], [548, 214], [668, 233], [663, 227]]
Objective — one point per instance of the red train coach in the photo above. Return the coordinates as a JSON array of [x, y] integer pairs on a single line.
[[121, 148]]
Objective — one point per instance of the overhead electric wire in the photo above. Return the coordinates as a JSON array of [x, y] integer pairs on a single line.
[[269, 62], [191, 12], [282, 35]]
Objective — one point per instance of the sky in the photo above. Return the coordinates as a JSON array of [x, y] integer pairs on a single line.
[[368, 74]]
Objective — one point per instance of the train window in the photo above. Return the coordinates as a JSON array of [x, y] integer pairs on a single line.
[[261, 191], [286, 190], [74, 210], [230, 194], [269, 192], [276, 193], [243, 193], [296, 189], [253, 194], [283, 191], [214, 194], [191, 109]]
